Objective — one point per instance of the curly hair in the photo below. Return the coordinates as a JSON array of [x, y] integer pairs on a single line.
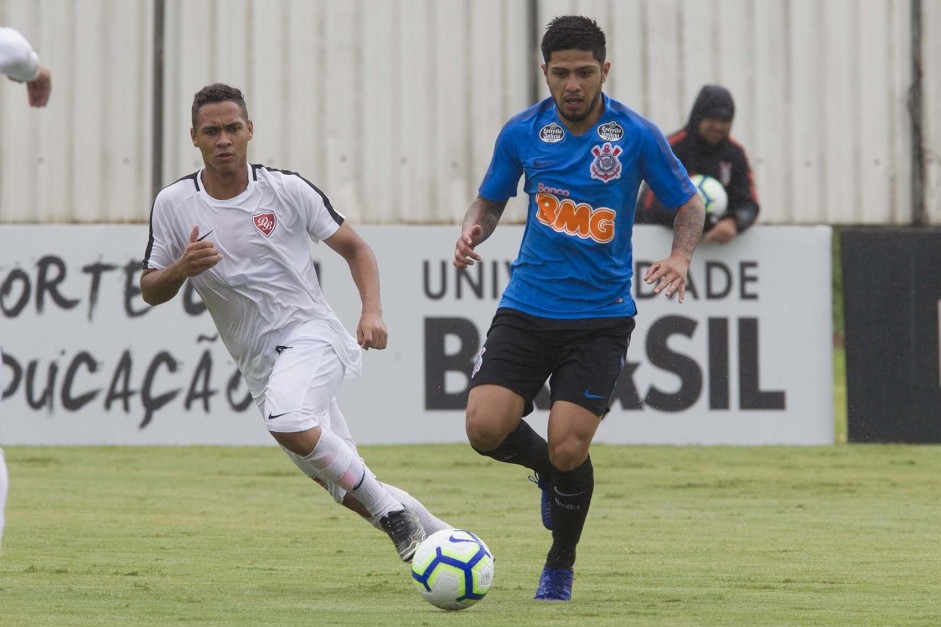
[[218, 92], [574, 32]]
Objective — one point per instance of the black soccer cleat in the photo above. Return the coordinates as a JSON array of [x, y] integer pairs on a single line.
[[405, 531]]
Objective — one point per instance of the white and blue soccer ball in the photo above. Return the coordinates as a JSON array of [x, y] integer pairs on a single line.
[[452, 569], [713, 195]]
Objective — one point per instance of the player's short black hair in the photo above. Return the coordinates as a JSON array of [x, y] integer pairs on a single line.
[[574, 32], [218, 92]]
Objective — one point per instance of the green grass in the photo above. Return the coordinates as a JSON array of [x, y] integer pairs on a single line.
[[839, 395], [843, 535], [839, 350]]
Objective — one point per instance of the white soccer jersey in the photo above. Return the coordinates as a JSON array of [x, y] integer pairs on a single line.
[[265, 289], [17, 59]]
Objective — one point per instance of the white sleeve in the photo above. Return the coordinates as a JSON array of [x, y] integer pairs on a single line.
[[322, 220], [160, 253], [17, 59]]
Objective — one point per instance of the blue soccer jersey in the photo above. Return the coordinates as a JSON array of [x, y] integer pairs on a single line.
[[576, 259]]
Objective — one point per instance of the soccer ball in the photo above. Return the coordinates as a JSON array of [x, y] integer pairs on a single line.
[[713, 196], [452, 569]]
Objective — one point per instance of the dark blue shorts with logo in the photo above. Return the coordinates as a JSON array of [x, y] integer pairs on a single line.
[[581, 359]]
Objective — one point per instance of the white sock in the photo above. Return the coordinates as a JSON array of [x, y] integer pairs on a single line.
[[334, 461], [429, 522], [4, 483]]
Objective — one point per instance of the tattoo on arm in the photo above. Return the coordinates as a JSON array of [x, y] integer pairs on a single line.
[[687, 227], [486, 213]]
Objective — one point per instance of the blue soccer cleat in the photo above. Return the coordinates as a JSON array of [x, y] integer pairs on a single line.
[[545, 508], [555, 584]]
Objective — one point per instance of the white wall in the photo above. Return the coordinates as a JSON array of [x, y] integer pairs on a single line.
[[392, 106], [87, 156]]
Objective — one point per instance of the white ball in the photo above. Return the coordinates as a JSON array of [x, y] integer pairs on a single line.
[[713, 195], [452, 569]]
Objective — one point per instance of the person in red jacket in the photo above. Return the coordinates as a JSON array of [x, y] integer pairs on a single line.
[[704, 146]]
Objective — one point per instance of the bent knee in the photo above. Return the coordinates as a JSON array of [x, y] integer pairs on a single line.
[[493, 413], [483, 434], [568, 454]]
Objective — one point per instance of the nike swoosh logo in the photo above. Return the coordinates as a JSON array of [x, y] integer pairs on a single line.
[[542, 164], [273, 416], [590, 395]]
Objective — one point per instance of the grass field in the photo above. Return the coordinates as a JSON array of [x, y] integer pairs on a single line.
[[843, 535], [839, 395]]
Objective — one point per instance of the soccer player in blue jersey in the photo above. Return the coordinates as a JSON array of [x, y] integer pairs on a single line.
[[567, 313]]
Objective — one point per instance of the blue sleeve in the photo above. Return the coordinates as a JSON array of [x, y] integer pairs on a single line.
[[663, 172], [503, 175]]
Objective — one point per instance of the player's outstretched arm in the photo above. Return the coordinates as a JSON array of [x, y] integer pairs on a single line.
[[39, 88], [669, 274], [371, 332], [159, 286], [479, 223], [21, 64]]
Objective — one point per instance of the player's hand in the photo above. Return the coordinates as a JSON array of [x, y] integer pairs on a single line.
[[371, 331], [464, 254], [669, 276], [39, 88], [200, 254], [723, 232]]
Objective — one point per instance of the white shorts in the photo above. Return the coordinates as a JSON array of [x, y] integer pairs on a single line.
[[302, 385], [301, 395]]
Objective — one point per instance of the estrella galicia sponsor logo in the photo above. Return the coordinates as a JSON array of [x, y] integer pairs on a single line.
[[611, 131], [551, 133]]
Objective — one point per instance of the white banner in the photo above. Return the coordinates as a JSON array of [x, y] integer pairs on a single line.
[[746, 359]]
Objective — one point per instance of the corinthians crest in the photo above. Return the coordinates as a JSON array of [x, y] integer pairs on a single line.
[[606, 166]]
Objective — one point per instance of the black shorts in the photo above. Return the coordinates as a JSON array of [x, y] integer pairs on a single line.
[[582, 359]]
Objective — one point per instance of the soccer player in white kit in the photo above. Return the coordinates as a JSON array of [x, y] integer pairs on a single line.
[[19, 63], [241, 234]]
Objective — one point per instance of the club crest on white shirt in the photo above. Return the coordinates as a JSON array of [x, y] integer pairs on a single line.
[[264, 221], [606, 166]]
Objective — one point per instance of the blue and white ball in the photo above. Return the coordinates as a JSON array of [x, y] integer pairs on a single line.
[[452, 569], [713, 195]]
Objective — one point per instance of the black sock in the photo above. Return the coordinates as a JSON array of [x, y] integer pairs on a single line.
[[571, 496], [523, 447]]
